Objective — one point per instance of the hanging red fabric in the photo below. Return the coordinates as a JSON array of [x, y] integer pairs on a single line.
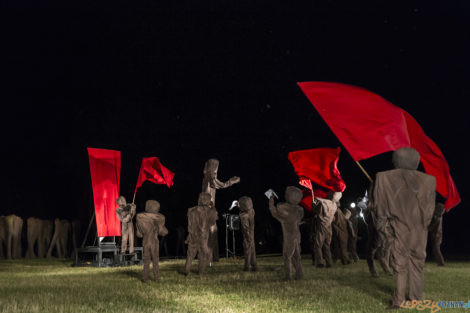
[[105, 170]]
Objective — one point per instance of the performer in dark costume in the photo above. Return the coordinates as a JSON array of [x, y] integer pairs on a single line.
[[210, 184], [290, 214], [247, 219], [149, 225], [404, 200]]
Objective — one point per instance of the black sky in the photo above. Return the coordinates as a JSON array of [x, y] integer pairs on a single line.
[[186, 81]]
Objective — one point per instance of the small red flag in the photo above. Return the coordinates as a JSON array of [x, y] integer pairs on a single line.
[[318, 166], [152, 170]]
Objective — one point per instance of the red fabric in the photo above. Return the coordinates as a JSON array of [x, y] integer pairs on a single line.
[[105, 169], [367, 125], [307, 199], [434, 162], [152, 170], [318, 166]]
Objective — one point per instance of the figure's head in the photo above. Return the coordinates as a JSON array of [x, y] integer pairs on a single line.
[[406, 158], [121, 201], [336, 196], [293, 195], [347, 214], [245, 204], [152, 206], [204, 199], [211, 167]]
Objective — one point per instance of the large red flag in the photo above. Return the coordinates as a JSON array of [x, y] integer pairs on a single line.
[[152, 170], [105, 169], [368, 125]]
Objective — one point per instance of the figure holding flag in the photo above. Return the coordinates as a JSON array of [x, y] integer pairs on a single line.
[[319, 167]]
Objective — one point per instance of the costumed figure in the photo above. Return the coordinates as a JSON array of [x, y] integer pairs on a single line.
[[200, 218], [341, 236], [210, 184], [290, 214], [378, 247], [435, 233], [247, 219], [324, 213], [126, 212], [150, 224], [404, 201], [351, 216]]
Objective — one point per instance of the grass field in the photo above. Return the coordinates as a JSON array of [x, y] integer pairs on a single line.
[[54, 286]]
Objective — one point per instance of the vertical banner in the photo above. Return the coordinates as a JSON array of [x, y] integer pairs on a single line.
[[105, 169]]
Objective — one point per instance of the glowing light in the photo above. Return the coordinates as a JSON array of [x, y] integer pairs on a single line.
[[353, 205]]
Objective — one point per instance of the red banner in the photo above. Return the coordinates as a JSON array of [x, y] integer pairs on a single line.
[[368, 125], [152, 170], [105, 169]]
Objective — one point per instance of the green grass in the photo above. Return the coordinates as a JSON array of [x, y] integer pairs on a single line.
[[55, 286]]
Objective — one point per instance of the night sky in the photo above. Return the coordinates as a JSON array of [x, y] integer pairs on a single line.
[[189, 80]]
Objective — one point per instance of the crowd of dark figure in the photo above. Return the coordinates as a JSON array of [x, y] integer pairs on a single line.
[[398, 224]]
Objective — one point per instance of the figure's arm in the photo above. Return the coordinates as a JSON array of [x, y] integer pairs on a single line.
[[273, 208], [126, 219], [379, 213], [162, 230], [138, 226], [119, 212], [316, 207], [217, 184], [133, 210]]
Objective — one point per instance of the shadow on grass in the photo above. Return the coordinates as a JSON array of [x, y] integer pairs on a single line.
[[133, 274]]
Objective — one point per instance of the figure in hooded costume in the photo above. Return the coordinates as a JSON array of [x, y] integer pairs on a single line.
[[150, 224], [210, 184], [200, 218], [324, 212], [404, 201], [290, 214], [126, 212], [435, 233], [247, 219]]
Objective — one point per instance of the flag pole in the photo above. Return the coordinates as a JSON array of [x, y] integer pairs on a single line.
[[313, 197], [364, 171], [133, 199]]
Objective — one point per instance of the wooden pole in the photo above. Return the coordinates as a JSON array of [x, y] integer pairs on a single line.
[[364, 171], [133, 199], [313, 196]]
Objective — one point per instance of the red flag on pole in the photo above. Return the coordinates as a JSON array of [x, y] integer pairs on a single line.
[[368, 125], [152, 170], [317, 166], [105, 170]]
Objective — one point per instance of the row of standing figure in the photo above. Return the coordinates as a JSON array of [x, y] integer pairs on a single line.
[[43, 237]]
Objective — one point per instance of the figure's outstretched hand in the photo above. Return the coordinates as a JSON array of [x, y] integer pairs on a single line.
[[234, 180]]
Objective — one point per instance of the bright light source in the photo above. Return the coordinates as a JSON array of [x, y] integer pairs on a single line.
[[353, 205], [361, 215]]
